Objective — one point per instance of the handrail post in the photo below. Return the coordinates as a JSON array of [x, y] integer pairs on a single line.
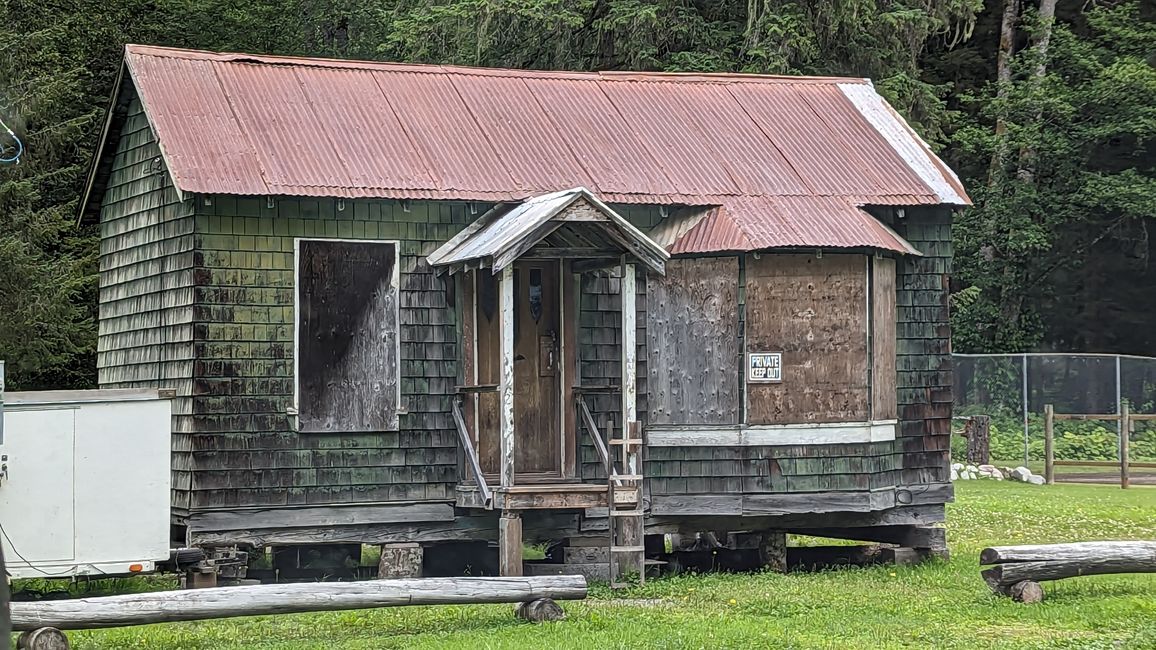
[[1125, 429], [1049, 441]]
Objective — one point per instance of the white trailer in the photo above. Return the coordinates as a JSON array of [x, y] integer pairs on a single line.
[[84, 488]]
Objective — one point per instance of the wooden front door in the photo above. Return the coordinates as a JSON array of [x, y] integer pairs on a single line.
[[538, 371]]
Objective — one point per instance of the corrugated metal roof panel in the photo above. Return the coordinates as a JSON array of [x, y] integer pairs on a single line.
[[661, 116], [535, 151], [789, 159], [604, 144], [205, 148], [444, 129]]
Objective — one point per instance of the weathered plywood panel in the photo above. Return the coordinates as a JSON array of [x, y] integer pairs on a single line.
[[814, 311], [883, 315], [692, 342], [347, 346]]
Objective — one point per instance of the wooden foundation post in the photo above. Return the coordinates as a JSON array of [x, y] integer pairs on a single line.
[[510, 543], [1049, 444], [1125, 430], [400, 561], [773, 551]]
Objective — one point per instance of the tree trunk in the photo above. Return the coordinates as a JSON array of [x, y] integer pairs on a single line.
[[1007, 33], [1026, 171], [226, 602], [978, 434]]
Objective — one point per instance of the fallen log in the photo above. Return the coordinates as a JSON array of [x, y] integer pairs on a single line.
[[257, 600], [1077, 552]]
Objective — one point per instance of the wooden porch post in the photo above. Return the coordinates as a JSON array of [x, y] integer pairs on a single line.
[[506, 385], [630, 528], [629, 360], [510, 523]]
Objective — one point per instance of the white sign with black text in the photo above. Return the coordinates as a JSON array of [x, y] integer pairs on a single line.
[[764, 367]]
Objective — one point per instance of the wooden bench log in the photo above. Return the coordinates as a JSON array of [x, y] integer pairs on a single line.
[[1038, 563], [1078, 551], [256, 600]]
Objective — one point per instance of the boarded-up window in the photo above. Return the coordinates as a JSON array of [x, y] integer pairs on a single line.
[[883, 315], [347, 336], [813, 310], [692, 333]]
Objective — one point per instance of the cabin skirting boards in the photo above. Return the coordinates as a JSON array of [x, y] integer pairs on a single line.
[[909, 505]]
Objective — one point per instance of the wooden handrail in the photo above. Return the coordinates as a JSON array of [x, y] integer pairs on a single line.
[[608, 388], [595, 434], [471, 454], [480, 388]]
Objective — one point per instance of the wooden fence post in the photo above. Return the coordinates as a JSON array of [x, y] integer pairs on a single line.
[[1049, 441], [1125, 429]]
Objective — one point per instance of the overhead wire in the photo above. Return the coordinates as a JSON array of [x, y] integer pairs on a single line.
[[10, 155]]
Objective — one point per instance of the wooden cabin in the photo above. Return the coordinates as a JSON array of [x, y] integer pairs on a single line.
[[406, 304]]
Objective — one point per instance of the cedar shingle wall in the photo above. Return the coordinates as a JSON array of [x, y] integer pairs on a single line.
[[146, 281], [923, 346], [245, 452]]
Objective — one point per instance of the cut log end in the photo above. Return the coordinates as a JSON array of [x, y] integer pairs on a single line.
[[1027, 591], [45, 638], [543, 609]]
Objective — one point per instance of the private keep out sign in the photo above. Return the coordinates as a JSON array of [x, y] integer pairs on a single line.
[[765, 366]]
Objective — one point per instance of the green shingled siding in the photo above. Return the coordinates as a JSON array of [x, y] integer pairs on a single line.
[[245, 451], [924, 346], [146, 280]]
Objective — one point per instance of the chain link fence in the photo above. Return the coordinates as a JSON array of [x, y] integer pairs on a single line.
[[1013, 389]]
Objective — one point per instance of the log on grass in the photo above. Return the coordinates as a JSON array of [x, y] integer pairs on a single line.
[[1080, 551], [226, 602]]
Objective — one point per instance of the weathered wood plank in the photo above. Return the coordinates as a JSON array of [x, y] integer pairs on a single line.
[[883, 317], [248, 519], [255, 600], [932, 537], [814, 311], [692, 341]]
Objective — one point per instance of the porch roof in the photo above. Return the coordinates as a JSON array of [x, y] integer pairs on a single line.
[[569, 220]]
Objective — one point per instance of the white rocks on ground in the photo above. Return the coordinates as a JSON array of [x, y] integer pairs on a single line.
[[962, 472]]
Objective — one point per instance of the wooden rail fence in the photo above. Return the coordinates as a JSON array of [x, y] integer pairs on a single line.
[[1125, 420]]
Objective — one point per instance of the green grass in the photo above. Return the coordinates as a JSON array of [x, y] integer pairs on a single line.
[[937, 605]]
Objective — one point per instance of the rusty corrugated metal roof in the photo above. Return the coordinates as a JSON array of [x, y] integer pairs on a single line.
[[787, 161]]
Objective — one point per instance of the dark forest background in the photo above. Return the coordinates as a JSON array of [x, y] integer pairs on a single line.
[[1046, 108]]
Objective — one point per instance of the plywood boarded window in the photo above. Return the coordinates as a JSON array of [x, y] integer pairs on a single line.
[[692, 334], [883, 316], [347, 336], [814, 311]]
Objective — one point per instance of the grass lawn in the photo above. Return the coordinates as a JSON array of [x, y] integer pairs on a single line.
[[937, 605]]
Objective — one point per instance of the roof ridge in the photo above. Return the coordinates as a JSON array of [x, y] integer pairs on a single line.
[[432, 68]]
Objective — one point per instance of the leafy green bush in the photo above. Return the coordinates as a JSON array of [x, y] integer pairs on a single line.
[[1073, 441]]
